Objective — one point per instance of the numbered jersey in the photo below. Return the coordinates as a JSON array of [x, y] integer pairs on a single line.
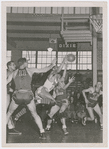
[[22, 80]]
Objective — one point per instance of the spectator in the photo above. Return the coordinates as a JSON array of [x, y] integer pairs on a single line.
[[71, 111]]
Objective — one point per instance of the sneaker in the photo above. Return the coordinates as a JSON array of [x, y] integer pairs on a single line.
[[14, 132], [96, 120], [72, 121], [47, 129], [84, 121], [42, 135], [65, 131]]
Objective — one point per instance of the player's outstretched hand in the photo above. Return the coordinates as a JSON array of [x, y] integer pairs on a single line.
[[53, 62], [72, 79]]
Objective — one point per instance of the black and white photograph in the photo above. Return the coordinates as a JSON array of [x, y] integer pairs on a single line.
[[54, 73]]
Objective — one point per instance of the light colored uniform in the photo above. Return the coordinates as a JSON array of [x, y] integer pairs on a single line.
[[43, 91]]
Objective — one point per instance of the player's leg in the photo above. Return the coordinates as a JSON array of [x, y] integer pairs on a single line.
[[10, 122], [62, 116], [13, 106], [32, 107], [11, 127], [44, 94], [98, 111], [91, 116], [52, 112]]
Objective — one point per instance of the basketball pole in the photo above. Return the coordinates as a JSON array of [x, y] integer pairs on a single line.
[[94, 46]]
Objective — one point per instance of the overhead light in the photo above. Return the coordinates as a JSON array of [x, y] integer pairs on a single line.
[[50, 49]]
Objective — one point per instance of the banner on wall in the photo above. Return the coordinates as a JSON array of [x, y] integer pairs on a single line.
[[71, 46]]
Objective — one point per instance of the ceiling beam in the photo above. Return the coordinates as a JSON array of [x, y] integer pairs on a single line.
[[23, 27], [11, 42], [28, 35], [29, 39], [42, 18]]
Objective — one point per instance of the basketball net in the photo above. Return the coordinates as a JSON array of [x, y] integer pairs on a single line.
[[96, 21]]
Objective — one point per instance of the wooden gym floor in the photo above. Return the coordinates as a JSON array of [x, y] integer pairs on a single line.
[[90, 133]]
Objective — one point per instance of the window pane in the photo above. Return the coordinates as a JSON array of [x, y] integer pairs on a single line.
[[8, 9], [37, 10], [45, 58], [48, 10], [55, 10], [82, 10], [87, 10], [30, 9], [31, 57], [39, 66], [14, 9], [39, 60], [71, 10], [20, 9], [33, 60], [48, 60], [84, 60], [25, 9], [59, 10], [65, 10], [43, 10], [77, 10]]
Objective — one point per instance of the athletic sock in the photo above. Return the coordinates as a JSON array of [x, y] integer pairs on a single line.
[[48, 126], [42, 131], [64, 126]]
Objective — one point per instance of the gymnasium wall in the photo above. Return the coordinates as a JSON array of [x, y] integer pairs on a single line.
[[17, 52]]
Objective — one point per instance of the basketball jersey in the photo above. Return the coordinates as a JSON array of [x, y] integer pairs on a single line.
[[22, 80], [92, 97], [50, 85], [61, 94]]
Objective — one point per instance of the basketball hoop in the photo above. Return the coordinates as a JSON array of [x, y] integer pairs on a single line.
[[97, 22]]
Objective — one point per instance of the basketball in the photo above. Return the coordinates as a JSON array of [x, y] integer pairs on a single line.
[[70, 57]]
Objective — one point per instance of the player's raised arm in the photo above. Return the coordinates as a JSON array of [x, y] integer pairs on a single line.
[[65, 70], [70, 81], [62, 64], [45, 69]]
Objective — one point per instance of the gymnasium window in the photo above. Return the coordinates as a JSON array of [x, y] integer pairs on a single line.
[[31, 57], [44, 58], [8, 56], [49, 10], [71, 65], [84, 60]]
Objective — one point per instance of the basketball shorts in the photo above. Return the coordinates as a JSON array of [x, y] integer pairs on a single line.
[[22, 97]]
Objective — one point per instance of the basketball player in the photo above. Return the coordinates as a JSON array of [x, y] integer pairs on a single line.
[[61, 102], [23, 94], [10, 68], [50, 83], [92, 103]]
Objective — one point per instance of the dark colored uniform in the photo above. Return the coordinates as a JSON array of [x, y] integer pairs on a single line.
[[92, 98], [22, 82], [61, 95]]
